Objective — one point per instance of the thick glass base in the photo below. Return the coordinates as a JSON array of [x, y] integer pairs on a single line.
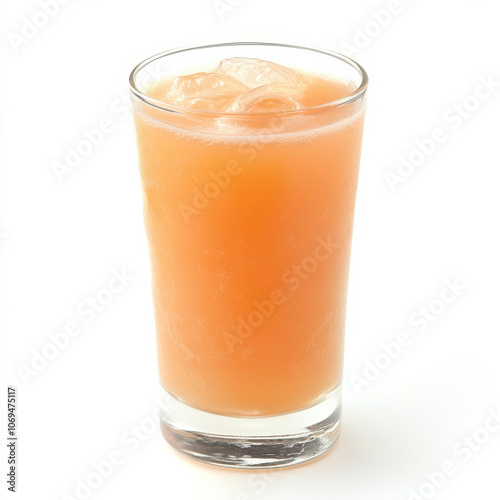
[[252, 442]]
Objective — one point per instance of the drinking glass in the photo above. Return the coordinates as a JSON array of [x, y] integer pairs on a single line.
[[249, 221]]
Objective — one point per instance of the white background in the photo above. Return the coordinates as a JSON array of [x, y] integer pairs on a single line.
[[61, 240]]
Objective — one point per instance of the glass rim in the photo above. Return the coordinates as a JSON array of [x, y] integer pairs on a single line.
[[358, 92]]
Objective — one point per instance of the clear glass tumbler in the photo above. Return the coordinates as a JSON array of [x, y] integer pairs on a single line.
[[249, 221]]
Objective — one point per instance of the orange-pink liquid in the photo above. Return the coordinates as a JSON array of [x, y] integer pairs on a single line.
[[249, 238]]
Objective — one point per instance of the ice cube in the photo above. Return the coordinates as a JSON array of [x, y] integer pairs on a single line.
[[204, 91], [254, 72], [264, 99], [207, 103]]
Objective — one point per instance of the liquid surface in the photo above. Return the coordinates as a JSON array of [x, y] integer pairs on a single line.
[[249, 233], [245, 85]]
